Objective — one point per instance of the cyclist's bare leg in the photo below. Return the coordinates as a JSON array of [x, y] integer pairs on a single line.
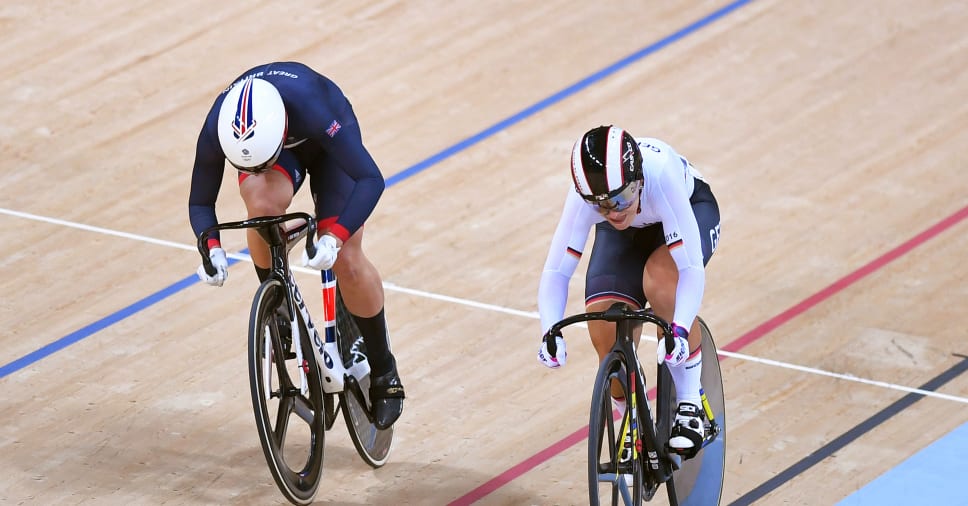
[[603, 334], [266, 194], [659, 281], [360, 282], [362, 289]]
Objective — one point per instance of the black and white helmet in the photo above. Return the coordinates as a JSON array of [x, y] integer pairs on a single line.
[[605, 163]]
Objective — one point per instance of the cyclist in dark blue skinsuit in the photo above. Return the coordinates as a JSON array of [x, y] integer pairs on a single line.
[[278, 124]]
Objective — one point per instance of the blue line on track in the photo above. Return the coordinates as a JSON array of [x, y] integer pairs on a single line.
[[101, 324], [76, 336], [563, 94]]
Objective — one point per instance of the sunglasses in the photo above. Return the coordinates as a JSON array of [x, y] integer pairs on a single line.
[[618, 203]]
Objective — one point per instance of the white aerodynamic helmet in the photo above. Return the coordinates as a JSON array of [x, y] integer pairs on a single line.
[[252, 125]]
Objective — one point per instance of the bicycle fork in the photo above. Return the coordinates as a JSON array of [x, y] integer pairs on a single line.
[[713, 424], [653, 456]]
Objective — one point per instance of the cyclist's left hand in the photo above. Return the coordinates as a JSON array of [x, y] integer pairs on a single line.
[[680, 347], [327, 247], [554, 356]]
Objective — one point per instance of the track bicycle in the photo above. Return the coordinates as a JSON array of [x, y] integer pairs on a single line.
[[301, 380], [650, 461]]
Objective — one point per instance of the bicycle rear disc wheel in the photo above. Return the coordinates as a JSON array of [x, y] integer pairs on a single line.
[[372, 444], [606, 481], [291, 423], [699, 481]]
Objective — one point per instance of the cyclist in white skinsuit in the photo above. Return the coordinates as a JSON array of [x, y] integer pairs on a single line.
[[657, 225]]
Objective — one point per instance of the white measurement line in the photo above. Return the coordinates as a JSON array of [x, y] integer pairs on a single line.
[[491, 307], [463, 302], [89, 228], [846, 377]]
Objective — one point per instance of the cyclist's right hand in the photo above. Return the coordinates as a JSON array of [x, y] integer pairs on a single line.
[[221, 264], [554, 355]]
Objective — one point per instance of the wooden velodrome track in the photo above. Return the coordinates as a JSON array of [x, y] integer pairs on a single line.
[[833, 133]]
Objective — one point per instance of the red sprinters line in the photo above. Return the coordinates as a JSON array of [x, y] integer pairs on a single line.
[[842, 283], [744, 340]]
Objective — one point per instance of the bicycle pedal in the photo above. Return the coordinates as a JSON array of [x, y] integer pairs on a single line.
[[681, 454]]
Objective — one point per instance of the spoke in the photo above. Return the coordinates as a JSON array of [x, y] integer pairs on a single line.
[[304, 409], [267, 360], [282, 419]]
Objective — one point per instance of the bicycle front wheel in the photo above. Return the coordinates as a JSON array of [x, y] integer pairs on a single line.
[[287, 396], [372, 444], [612, 470]]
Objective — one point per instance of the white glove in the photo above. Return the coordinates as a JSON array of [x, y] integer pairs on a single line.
[[221, 264], [680, 347], [326, 250], [556, 359]]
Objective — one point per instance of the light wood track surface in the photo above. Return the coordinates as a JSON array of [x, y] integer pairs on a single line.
[[831, 132]]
